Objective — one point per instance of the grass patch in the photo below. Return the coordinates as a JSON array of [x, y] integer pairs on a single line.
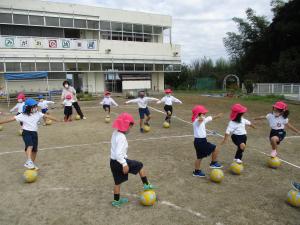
[[264, 98], [85, 97]]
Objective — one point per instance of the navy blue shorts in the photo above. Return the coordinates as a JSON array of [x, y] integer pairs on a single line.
[[105, 107], [143, 112], [30, 138], [239, 139], [168, 108], [203, 147], [278, 133], [117, 170], [44, 111]]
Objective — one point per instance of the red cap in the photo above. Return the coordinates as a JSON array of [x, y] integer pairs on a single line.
[[168, 91], [106, 93], [236, 109], [280, 105], [21, 96], [197, 110], [123, 121], [68, 97]]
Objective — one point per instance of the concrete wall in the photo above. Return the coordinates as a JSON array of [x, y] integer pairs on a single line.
[[94, 82], [158, 81]]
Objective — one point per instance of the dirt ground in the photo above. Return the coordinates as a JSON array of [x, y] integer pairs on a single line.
[[75, 184]]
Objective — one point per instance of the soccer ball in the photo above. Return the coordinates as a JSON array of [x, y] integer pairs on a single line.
[[148, 197], [77, 117], [216, 175], [30, 176], [48, 122], [146, 128], [166, 124], [1, 128], [107, 119], [236, 168], [293, 198], [274, 162]]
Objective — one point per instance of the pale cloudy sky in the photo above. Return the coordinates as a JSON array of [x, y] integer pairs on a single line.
[[198, 25]]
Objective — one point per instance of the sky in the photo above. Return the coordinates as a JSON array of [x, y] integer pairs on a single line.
[[199, 26]]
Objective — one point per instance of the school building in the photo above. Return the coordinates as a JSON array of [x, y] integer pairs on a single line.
[[95, 48]]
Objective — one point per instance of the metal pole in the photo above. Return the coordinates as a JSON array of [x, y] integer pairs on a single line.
[[7, 94]]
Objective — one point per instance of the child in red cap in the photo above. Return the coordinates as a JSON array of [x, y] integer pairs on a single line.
[[202, 146], [20, 105], [278, 119], [168, 100], [107, 102], [237, 128], [120, 165]]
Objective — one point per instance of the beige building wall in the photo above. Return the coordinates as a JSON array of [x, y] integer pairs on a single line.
[[94, 81], [158, 81]]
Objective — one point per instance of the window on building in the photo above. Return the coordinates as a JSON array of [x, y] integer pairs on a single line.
[[28, 66], [106, 35], [5, 18], [139, 67], [176, 67], [79, 23], [157, 30], [72, 33], [66, 22], [52, 21], [71, 66], [92, 24], [105, 25], [147, 38], [137, 28], [115, 26], [129, 67], [1, 67], [95, 66], [168, 67], [159, 67], [148, 67], [36, 20], [42, 66], [127, 36], [83, 66], [12, 66], [57, 75], [138, 37], [119, 66], [106, 66], [56, 66], [117, 36], [20, 19], [147, 29], [127, 27]]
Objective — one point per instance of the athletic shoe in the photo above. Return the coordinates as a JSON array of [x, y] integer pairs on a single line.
[[295, 185], [148, 187], [142, 130], [29, 164], [198, 174], [120, 202], [147, 124], [215, 165], [238, 161], [273, 153], [84, 118]]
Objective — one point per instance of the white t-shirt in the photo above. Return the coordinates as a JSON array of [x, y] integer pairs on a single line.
[[119, 147], [276, 123], [70, 91], [18, 107], [108, 101], [44, 104], [68, 102], [30, 122], [237, 128], [169, 99], [199, 127], [142, 102]]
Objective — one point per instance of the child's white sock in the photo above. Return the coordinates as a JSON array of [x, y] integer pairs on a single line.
[[274, 153]]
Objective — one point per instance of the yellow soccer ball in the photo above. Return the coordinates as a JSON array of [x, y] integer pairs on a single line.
[[217, 175], [30, 176], [293, 198], [274, 162], [77, 117], [236, 168], [107, 119], [146, 128], [166, 124], [148, 197], [20, 132], [48, 122], [1, 128]]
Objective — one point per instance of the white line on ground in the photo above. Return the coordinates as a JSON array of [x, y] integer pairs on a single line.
[[292, 137], [220, 135]]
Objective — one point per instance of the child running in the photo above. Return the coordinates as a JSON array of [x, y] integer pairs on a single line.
[[168, 100], [30, 118], [19, 106], [142, 102], [119, 163], [68, 110], [237, 128], [202, 146], [107, 101], [278, 119], [43, 104]]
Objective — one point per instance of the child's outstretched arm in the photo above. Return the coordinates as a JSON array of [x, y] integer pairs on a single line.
[[217, 116], [50, 117], [8, 120], [225, 138], [132, 101], [14, 108], [176, 100], [260, 118], [161, 100], [290, 126], [114, 103]]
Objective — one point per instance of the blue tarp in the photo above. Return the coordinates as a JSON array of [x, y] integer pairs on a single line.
[[25, 76]]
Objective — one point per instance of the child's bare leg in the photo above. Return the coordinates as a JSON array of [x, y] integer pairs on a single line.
[[141, 123], [33, 156], [143, 176], [214, 155], [117, 189], [274, 145], [197, 164], [29, 152], [148, 118]]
